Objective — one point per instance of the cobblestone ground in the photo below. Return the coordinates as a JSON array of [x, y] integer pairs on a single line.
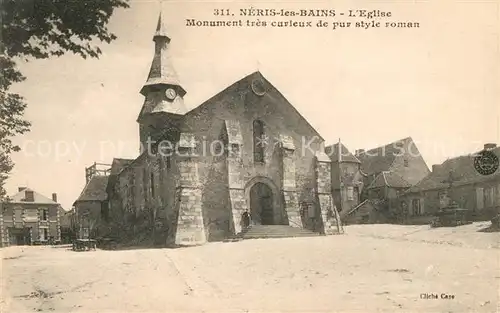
[[372, 268]]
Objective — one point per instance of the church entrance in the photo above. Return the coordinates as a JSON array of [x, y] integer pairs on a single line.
[[261, 204]]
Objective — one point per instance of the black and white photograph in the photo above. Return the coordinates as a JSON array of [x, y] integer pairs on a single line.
[[249, 156]]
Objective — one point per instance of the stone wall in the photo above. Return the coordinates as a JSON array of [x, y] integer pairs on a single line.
[[289, 182], [464, 195], [190, 225], [329, 216], [144, 198], [203, 195], [215, 202], [238, 103]]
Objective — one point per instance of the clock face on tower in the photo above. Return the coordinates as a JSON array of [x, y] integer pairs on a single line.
[[170, 93]]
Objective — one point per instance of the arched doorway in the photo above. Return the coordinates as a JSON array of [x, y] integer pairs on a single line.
[[262, 204]]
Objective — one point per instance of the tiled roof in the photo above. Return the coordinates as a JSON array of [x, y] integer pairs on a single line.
[[162, 71], [389, 179], [116, 167], [345, 154], [462, 171], [95, 190], [118, 164], [38, 198], [380, 159]]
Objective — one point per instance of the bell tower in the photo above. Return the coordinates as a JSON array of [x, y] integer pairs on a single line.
[[163, 106]]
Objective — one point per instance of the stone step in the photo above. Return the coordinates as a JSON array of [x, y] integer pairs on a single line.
[[275, 231]]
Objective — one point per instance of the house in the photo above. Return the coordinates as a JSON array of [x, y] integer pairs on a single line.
[[201, 171], [456, 181], [388, 171], [347, 178], [29, 217], [67, 233], [89, 207]]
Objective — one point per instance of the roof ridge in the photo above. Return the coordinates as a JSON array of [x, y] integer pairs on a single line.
[[390, 143], [36, 195]]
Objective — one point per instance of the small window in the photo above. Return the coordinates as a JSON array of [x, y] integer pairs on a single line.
[[217, 147], [44, 214], [259, 141], [152, 185], [168, 163], [235, 148], [406, 163], [145, 182], [350, 193]]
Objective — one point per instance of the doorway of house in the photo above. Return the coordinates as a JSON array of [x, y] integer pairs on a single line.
[[19, 236], [261, 204]]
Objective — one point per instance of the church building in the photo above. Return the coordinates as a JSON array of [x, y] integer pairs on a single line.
[[243, 159]]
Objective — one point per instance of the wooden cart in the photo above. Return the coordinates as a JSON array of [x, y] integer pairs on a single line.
[[84, 245]]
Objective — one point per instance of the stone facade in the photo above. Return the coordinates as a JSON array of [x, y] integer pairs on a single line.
[[347, 178], [244, 151], [89, 210], [454, 181]]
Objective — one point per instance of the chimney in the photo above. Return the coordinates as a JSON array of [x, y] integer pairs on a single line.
[[19, 189], [54, 197], [435, 167], [29, 196], [489, 146]]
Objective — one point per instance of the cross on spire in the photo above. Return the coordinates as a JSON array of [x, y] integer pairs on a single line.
[[163, 91], [160, 27]]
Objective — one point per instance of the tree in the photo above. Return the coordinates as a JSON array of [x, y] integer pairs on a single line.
[[42, 29]]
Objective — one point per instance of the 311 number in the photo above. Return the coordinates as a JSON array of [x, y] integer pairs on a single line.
[[222, 12]]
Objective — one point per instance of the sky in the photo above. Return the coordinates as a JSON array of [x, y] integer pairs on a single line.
[[439, 83]]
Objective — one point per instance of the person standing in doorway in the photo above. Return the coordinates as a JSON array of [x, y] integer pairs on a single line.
[[246, 219]]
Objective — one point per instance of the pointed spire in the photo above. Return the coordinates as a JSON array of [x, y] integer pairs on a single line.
[[162, 73], [257, 63], [160, 29]]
